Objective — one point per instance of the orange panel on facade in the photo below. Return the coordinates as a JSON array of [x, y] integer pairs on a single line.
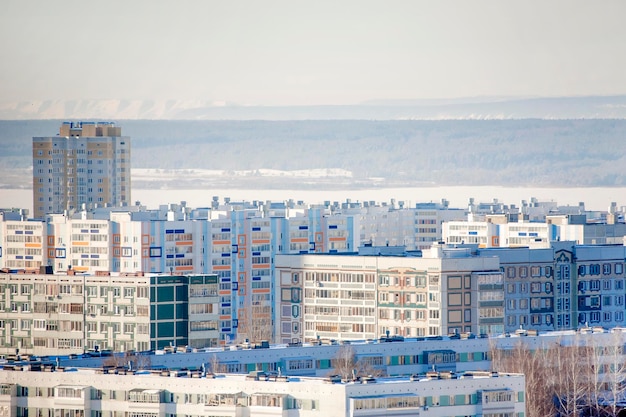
[[32, 245], [221, 267], [184, 268], [299, 240]]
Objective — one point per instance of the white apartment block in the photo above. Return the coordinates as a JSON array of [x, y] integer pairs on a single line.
[[23, 244], [497, 231], [415, 228], [91, 393]]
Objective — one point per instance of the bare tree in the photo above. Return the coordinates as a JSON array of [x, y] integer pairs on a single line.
[[344, 362], [346, 365], [571, 380], [255, 324], [137, 361], [521, 359], [580, 376], [612, 367], [214, 365]]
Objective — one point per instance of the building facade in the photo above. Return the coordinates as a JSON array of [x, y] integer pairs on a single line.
[[86, 163], [45, 314], [445, 291], [87, 393]]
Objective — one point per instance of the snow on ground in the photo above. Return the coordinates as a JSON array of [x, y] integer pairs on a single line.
[[147, 174]]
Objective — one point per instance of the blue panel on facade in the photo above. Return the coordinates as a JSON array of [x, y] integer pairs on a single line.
[[304, 251], [84, 256], [256, 253], [19, 232], [225, 229], [169, 231], [303, 227], [95, 256], [225, 255], [472, 233], [256, 229], [28, 257], [179, 231], [225, 305], [521, 234], [256, 278], [332, 226], [235, 286], [84, 230], [0, 251], [29, 232], [180, 255], [169, 256], [95, 231]]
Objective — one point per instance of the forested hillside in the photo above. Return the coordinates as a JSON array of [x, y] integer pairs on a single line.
[[500, 152]]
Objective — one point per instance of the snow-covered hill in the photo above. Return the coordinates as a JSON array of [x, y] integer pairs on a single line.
[[593, 107]]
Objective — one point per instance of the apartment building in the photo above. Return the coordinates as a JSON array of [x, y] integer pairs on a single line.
[[566, 286], [447, 290], [87, 392], [497, 230], [87, 163], [23, 244], [46, 314], [397, 224]]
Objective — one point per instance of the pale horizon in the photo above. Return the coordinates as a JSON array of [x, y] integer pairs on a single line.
[[284, 53]]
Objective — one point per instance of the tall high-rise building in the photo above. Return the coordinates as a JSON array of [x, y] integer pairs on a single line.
[[86, 163]]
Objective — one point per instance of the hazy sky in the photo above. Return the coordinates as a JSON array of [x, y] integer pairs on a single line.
[[309, 52]]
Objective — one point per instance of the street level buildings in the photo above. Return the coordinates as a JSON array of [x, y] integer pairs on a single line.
[[85, 392]]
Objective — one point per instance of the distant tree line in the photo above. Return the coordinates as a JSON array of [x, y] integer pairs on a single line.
[[526, 152]]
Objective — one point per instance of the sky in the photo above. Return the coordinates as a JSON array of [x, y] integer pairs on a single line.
[[290, 52]]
